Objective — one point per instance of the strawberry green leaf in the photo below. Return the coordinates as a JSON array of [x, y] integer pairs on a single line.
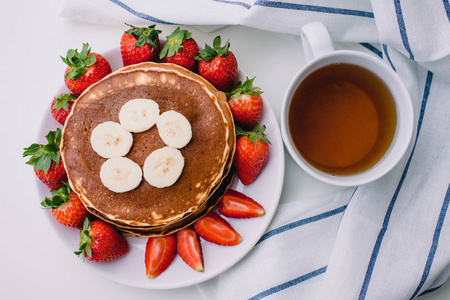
[[209, 53], [174, 41], [144, 35], [90, 60], [85, 240], [244, 88], [59, 197], [78, 62], [43, 155], [62, 101], [256, 134]]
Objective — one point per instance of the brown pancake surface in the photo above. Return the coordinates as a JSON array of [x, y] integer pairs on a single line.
[[206, 156]]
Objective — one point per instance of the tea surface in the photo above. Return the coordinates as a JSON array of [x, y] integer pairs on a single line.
[[342, 119]]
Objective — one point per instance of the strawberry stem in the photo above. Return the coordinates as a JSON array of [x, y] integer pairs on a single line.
[[144, 35], [244, 88], [43, 155], [85, 240], [62, 101], [59, 197], [78, 62], [254, 135], [174, 41], [209, 53]]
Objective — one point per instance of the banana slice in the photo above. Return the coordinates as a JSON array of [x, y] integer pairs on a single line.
[[139, 115], [120, 174], [163, 167], [110, 139], [174, 129]]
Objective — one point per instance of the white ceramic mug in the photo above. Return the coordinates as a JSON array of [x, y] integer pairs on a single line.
[[319, 52]]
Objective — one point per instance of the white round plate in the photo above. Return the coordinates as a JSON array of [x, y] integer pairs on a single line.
[[130, 268]]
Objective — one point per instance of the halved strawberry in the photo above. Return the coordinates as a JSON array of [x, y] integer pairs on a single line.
[[216, 230], [66, 207], [159, 254], [189, 248], [235, 204]]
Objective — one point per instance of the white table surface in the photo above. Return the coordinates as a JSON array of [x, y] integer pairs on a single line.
[[33, 262]]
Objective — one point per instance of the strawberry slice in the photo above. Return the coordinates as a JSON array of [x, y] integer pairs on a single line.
[[237, 205], [216, 230], [189, 248], [159, 254]]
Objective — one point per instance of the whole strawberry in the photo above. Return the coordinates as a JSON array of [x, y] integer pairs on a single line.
[[246, 104], [252, 151], [84, 69], [66, 207], [218, 65], [46, 160], [61, 106], [100, 242], [180, 49], [139, 44]]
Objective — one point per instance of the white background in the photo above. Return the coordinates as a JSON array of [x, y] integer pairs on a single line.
[[33, 262]]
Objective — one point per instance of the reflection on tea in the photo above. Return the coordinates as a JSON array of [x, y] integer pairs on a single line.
[[342, 119]]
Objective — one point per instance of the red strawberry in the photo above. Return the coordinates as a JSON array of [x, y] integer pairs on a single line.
[[139, 44], [218, 65], [46, 160], [159, 254], [84, 69], [237, 205], [252, 151], [189, 248], [100, 242], [217, 230], [180, 49], [61, 106], [66, 207], [246, 104]]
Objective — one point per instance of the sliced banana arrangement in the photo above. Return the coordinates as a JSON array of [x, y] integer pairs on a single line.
[[110, 139], [174, 129], [120, 174], [163, 167], [139, 115]]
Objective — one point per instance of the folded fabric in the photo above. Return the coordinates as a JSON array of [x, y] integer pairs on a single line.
[[384, 240]]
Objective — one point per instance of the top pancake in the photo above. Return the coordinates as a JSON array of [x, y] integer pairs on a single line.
[[206, 156]]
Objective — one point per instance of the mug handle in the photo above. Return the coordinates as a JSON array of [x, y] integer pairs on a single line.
[[316, 40]]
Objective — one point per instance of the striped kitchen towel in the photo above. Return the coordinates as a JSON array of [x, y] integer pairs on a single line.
[[389, 239]]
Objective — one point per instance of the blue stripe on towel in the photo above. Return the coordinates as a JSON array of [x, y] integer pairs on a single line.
[[288, 284], [385, 49], [323, 9], [447, 8], [235, 3], [139, 14], [387, 217], [372, 48], [434, 245], [298, 223], [401, 26], [430, 291]]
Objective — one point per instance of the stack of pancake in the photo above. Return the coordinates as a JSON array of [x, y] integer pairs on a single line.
[[207, 173]]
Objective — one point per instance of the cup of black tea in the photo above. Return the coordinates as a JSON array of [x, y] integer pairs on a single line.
[[347, 118]]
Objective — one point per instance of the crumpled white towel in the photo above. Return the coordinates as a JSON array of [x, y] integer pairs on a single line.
[[384, 240]]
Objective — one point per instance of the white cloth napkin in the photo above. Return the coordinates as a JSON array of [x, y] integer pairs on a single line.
[[385, 240]]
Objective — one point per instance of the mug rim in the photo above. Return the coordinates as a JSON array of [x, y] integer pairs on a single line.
[[403, 131]]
